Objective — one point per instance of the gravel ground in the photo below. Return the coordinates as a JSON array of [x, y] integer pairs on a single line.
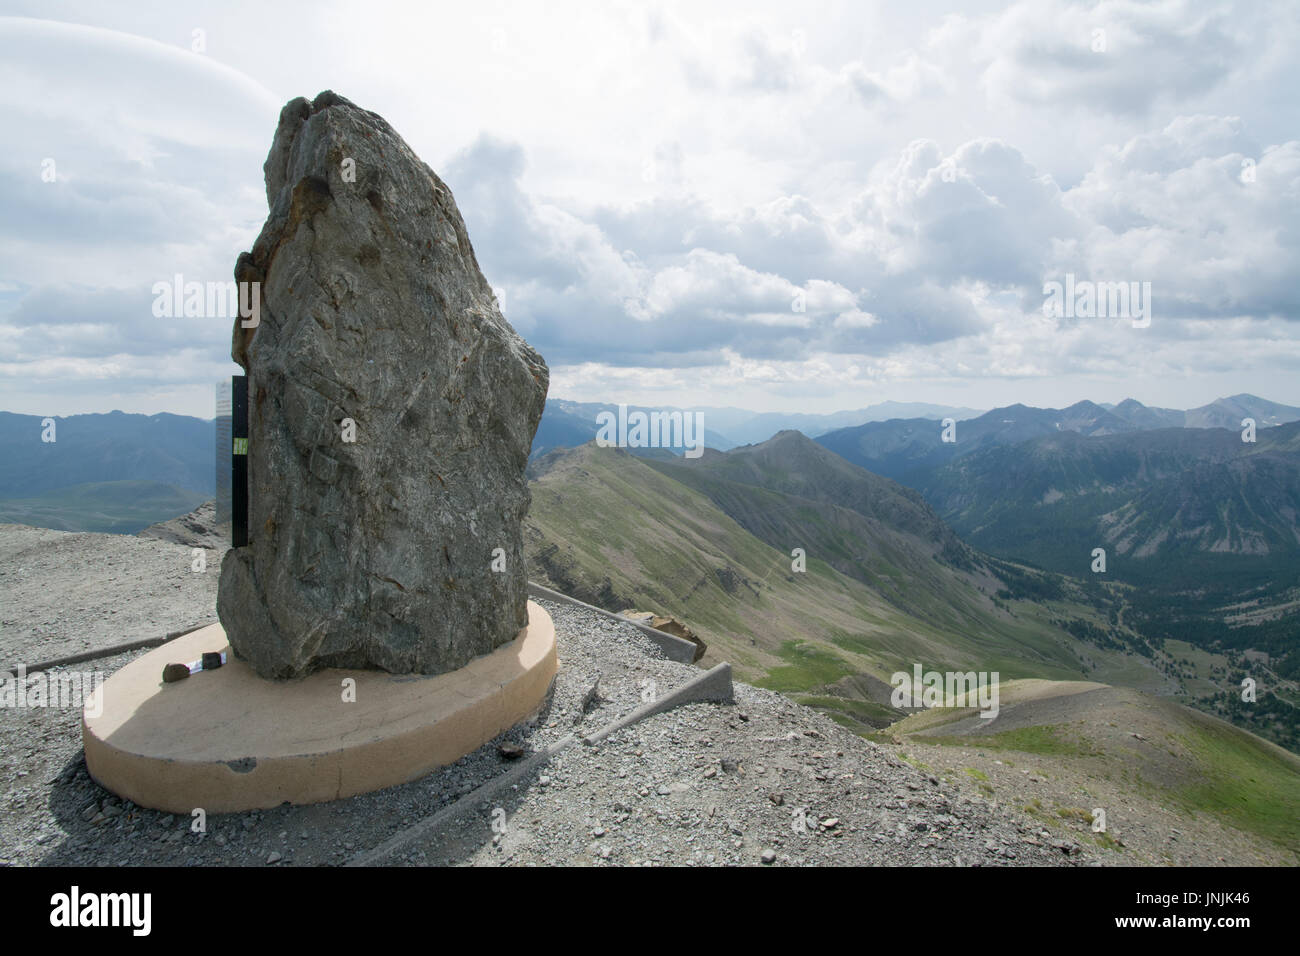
[[65, 593], [762, 780]]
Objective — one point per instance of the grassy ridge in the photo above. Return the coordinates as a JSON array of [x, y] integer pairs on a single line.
[[1250, 782], [1150, 749], [620, 532]]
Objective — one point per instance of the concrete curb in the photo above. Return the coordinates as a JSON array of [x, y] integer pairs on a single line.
[[674, 648], [713, 685], [463, 805], [143, 643]]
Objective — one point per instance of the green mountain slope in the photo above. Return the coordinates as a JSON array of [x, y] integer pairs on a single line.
[[709, 542], [1162, 772], [623, 532], [791, 493]]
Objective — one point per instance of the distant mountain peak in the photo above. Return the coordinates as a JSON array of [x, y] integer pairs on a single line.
[[788, 439]]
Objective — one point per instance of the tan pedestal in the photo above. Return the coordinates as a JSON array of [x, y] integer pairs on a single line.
[[227, 740]]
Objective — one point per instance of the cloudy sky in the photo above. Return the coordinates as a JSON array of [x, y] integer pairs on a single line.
[[802, 207]]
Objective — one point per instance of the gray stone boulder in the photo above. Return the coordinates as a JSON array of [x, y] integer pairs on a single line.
[[391, 412]]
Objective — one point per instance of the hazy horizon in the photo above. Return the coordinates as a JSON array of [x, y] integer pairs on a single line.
[[778, 411]]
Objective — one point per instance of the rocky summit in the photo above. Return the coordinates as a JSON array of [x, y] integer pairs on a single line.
[[391, 411]]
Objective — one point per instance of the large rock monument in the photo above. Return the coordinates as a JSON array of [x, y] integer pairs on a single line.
[[391, 410]]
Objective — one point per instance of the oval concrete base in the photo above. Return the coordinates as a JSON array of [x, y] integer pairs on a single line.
[[228, 740]]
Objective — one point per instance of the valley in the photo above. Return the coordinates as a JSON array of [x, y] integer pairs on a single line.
[[887, 585], [819, 579]]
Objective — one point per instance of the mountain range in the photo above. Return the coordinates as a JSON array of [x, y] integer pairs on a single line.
[[1092, 701], [116, 446], [989, 563], [1199, 527], [1165, 495], [889, 438], [883, 582], [113, 472], [821, 578], [566, 423], [900, 447]]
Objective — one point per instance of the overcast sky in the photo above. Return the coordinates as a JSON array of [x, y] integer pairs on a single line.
[[654, 188]]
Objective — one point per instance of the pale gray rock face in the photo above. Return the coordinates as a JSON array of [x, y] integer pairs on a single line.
[[378, 552]]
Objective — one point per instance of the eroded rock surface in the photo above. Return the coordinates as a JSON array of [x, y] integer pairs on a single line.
[[401, 549]]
